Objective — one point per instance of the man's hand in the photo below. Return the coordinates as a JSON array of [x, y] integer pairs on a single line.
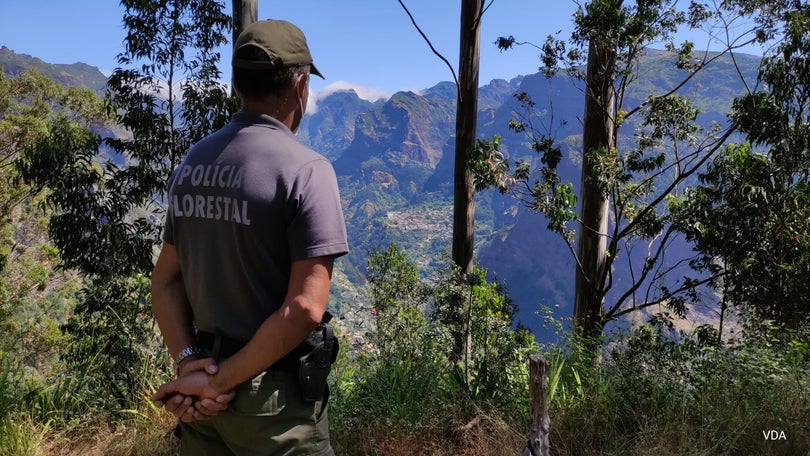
[[189, 407]]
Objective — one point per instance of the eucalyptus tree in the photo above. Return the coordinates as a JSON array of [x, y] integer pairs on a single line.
[[625, 187], [749, 215], [245, 12], [108, 192], [472, 11], [462, 249], [466, 119]]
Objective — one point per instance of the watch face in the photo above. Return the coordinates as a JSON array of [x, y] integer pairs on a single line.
[[186, 352]]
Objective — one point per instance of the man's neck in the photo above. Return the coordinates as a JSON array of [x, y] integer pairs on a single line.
[[274, 108]]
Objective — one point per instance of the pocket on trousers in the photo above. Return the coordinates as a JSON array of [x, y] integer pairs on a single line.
[[261, 396]]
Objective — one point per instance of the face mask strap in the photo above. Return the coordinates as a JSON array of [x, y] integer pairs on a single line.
[[300, 99]]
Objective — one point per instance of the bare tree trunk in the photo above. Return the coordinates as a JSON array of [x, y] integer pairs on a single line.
[[538, 444], [245, 12], [598, 138], [466, 118]]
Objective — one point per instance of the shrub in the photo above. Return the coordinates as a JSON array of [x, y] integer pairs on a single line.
[[444, 354], [662, 393]]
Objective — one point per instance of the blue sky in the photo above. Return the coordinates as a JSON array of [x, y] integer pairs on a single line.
[[369, 45]]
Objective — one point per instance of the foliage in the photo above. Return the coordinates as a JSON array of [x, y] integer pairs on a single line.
[[114, 345], [21, 437], [658, 391], [655, 391], [415, 374], [107, 193], [30, 108], [626, 185], [107, 223], [748, 217], [35, 298], [490, 355], [399, 297]]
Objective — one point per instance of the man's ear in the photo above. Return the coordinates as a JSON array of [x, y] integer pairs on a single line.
[[303, 83]]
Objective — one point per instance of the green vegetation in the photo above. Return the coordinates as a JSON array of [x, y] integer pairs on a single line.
[[71, 75], [442, 368], [425, 385], [653, 395]]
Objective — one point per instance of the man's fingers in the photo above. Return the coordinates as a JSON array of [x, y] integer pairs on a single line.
[[163, 394], [205, 364], [210, 407], [179, 405], [188, 415], [226, 398], [198, 416], [174, 402]]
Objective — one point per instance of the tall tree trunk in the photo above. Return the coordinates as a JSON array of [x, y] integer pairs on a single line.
[[598, 138], [463, 184], [245, 12], [466, 118]]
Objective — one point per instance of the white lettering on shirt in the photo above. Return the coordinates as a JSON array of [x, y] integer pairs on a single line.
[[210, 207]]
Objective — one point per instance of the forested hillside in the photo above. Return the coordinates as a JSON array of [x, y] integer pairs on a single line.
[[394, 160], [701, 171]]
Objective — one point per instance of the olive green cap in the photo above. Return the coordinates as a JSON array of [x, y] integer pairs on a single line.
[[283, 43]]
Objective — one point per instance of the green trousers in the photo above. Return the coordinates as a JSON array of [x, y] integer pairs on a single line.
[[267, 417]]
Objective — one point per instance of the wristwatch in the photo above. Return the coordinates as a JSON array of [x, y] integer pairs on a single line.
[[186, 352]]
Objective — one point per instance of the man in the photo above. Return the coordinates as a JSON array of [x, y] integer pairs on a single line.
[[253, 226]]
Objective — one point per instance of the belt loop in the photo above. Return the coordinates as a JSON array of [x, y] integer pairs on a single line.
[[215, 349]]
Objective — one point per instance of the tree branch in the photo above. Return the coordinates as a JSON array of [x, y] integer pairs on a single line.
[[659, 301], [654, 203], [644, 273], [691, 74], [427, 40]]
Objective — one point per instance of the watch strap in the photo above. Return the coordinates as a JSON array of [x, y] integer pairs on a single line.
[[191, 350]]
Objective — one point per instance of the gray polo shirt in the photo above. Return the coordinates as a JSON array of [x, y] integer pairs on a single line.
[[246, 202]]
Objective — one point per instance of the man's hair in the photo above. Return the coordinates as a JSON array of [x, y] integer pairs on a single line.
[[251, 83]]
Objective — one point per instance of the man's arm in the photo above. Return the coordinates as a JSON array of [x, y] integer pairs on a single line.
[[170, 304], [280, 333], [173, 314]]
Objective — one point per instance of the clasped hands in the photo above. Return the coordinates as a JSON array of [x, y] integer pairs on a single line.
[[191, 397]]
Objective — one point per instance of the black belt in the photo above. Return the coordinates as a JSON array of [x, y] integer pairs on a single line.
[[221, 347], [228, 347]]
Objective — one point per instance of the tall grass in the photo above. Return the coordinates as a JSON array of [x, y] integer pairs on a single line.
[[446, 373], [652, 395], [427, 385]]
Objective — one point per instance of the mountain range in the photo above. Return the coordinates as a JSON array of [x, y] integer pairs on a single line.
[[394, 160]]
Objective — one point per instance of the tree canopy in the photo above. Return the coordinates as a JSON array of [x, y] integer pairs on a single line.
[[626, 185], [749, 215]]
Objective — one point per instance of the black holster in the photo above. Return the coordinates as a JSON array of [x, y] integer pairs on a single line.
[[312, 358], [321, 350]]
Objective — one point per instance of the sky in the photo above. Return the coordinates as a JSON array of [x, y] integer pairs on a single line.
[[368, 45]]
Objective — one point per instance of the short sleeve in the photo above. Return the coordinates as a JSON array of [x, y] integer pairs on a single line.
[[317, 227]]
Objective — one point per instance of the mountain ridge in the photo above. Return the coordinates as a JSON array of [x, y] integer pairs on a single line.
[[72, 75], [394, 160]]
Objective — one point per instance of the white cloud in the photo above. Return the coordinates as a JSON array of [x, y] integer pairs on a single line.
[[367, 93]]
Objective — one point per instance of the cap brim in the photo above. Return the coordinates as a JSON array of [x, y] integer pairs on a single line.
[[314, 70]]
